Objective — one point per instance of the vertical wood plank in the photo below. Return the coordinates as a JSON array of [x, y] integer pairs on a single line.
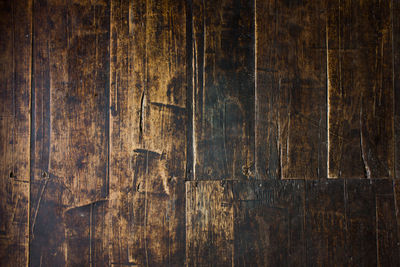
[[85, 231], [223, 89], [388, 246], [395, 15], [360, 90], [148, 132], [291, 89], [15, 93], [70, 119], [209, 223], [325, 223], [360, 205], [269, 223]]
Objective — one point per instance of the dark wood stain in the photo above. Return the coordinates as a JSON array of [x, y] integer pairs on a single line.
[[199, 133]]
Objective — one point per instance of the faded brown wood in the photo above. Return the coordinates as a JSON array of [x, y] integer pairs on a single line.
[[84, 233], [360, 89], [269, 223], [209, 223], [15, 87], [173, 133], [148, 133], [223, 89], [291, 89], [70, 128]]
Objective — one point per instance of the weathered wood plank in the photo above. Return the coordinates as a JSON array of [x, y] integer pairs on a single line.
[[269, 223], [85, 234], [70, 119], [360, 222], [223, 89], [15, 88], [148, 132], [291, 89], [325, 223], [209, 223], [360, 90], [396, 80], [388, 243]]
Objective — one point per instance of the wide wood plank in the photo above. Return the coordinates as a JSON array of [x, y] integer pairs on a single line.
[[360, 89], [269, 223], [223, 89], [388, 243], [86, 229], [325, 223], [209, 223], [291, 89], [360, 205], [148, 133], [70, 119], [15, 92]]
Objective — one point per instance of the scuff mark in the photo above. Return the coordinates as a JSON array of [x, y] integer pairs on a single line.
[[141, 113], [38, 203], [99, 201], [363, 148], [174, 108]]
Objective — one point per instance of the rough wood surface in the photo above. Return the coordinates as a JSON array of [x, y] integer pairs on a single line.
[[325, 223], [360, 89], [388, 243], [209, 223], [148, 133], [291, 89], [223, 89], [15, 88], [360, 206], [269, 223], [69, 119], [395, 14], [199, 133]]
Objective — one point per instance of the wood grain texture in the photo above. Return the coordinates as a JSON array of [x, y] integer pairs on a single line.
[[15, 87], [395, 15], [86, 229], [360, 206], [209, 223], [360, 90], [70, 126], [388, 243], [269, 223], [325, 223], [291, 89], [223, 89], [148, 133], [199, 133]]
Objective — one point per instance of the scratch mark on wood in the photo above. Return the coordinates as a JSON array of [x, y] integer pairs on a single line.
[[363, 146], [169, 106], [38, 205]]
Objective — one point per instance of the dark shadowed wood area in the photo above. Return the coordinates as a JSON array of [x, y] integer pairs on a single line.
[[199, 133]]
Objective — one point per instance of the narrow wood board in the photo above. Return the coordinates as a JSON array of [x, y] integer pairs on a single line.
[[15, 93], [148, 133], [291, 89], [209, 223], [69, 144], [360, 90], [223, 89]]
